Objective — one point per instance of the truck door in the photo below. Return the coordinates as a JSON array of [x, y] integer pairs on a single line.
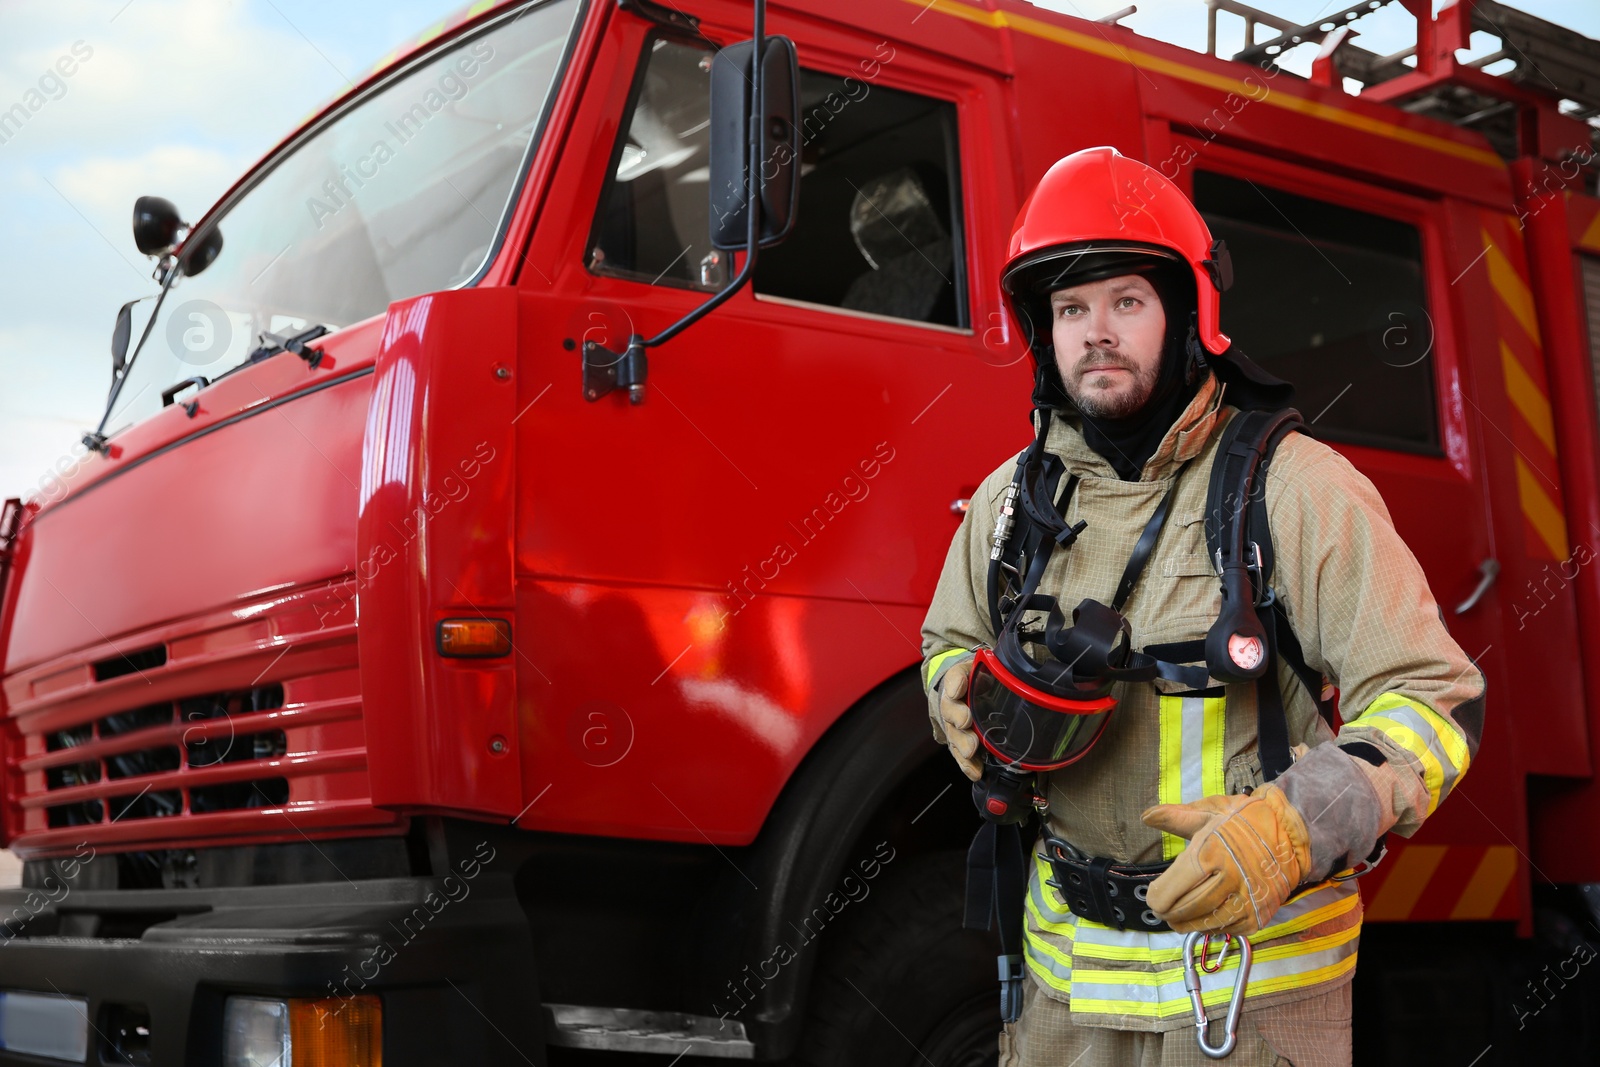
[[1346, 290], [720, 571]]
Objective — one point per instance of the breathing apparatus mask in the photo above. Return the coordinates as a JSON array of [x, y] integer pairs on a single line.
[[1042, 714]]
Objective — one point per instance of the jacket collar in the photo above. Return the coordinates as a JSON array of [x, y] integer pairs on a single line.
[[1183, 440]]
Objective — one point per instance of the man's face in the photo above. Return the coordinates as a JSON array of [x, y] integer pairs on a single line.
[[1108, 336]]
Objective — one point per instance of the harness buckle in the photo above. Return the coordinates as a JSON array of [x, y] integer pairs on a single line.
[[1366, 865], [1191, 984]]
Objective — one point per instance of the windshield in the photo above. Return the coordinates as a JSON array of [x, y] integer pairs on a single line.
[[402, 193]]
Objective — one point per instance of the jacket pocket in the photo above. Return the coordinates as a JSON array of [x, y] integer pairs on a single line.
[[1243, 772]]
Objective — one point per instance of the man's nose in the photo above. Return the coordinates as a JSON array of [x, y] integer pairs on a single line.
[[1098, 332]]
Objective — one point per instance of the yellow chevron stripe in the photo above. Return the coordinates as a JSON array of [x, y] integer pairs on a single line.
[[1487, 884], [1512, 289], [1401, 890], [1540, 511], [1528, 398], [1591, 236], [1184, 72]]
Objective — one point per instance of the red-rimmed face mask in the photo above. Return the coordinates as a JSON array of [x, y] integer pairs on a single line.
[[1027, 728]]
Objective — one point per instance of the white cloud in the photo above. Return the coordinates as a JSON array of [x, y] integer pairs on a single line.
[[105, 187], [174, 97]]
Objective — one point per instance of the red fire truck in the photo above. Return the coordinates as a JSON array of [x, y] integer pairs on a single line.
[[397, 675]]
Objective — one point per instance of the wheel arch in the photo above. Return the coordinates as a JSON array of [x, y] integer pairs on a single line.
[[876, 780]]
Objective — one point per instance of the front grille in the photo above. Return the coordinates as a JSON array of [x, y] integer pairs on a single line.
[[245, 725], [131, 663], [195, 749]]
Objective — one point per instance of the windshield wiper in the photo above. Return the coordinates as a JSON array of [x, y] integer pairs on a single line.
[[273, 344]]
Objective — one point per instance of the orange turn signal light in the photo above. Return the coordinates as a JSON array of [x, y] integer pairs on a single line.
[[475, 637], [337, 1031]]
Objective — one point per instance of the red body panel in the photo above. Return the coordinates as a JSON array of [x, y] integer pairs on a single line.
[[701, 585], [437, 484]]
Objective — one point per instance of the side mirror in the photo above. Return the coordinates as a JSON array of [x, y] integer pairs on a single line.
[[198, 254], [120, 335], [155, 225], [731, 91]]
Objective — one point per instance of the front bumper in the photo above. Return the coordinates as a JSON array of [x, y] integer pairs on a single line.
[[451, 959]]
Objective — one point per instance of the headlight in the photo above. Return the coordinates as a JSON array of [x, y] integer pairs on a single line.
[[330, 1032]]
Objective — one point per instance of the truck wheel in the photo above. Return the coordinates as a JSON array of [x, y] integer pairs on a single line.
[[900, 983]]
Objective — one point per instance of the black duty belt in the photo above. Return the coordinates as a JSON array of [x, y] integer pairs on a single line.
[[1103, 890]]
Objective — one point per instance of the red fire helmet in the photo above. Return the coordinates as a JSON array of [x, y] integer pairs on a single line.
[[1095, 214]]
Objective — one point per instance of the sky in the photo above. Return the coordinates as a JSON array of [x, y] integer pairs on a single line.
[[179, 97]]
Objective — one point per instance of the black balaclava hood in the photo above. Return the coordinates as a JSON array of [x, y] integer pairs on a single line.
[[1129, 442]]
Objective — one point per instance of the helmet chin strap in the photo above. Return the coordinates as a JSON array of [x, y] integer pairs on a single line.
[[1195, 364]]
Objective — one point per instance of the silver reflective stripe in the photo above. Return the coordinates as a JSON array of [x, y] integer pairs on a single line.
[[1052, 967], [1441, 765], [1148, 994], [1194, 732], [1191, 755]]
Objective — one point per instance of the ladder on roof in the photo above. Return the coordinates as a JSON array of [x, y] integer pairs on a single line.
[[1551, 65]]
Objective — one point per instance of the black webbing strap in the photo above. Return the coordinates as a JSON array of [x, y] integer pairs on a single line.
[[1046, 544], [1142, 549], [995, 888], [1272, 725], [1289, 648], [1236, 517]]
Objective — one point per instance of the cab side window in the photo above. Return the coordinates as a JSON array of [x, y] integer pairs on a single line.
[[879, 229], [1331, 299]]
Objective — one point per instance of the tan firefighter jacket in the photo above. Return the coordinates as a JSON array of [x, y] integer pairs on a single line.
[[1361, 608]]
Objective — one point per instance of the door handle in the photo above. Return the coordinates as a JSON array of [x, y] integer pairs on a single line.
[[1490, 569]]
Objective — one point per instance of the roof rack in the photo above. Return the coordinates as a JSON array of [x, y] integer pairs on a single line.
[[1519, 110]]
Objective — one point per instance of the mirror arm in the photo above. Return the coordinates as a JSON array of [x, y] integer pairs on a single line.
[[95, 440], [605, 370]]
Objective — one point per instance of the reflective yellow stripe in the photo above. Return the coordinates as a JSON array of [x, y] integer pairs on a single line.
[[1173, 974], [1425, 734], [1109, 49], [1128, 993], [1058, 943], [1191, 755], [1047, 949], [1047, 968], [931, 668]]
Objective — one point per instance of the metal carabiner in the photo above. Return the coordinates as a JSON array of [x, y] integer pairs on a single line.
[[1191, 983]]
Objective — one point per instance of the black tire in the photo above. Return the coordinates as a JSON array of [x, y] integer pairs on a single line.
[[901, 983]]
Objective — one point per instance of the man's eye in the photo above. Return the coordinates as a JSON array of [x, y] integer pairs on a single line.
[[1069, 309], [1127, 302]]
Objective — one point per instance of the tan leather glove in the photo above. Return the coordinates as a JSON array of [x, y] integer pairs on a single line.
[[957, 720], [1245, 856]]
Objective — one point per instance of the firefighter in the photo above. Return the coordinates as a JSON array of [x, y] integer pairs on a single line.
[[1163, 820]]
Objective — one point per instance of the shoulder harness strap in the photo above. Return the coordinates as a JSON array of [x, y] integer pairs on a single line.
[[1252, 629]]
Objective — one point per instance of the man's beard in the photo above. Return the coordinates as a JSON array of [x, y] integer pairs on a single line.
[[1099, 405]]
